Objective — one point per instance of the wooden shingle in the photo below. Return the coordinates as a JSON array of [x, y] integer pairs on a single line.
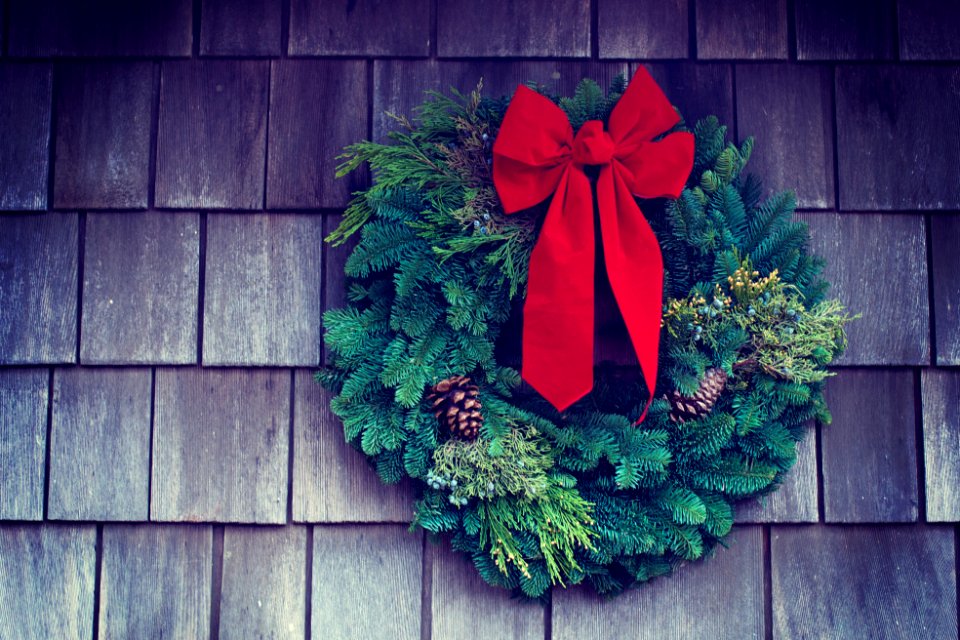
[[247, 28], [47, 580], [697, 90], [332, 482], [869, 451], [264, 587], [887, 286], [262, 289], [789, 111], [945, 268], [155, 581], [38, 288], [140, 303], [317, 107], [865, 582], [25, 105], [538, 28], [796, 499], [929, 29], [104, 112], [721, 597], [363, 28], [23, 442], [100, 444], [940, 392], [898, 147], [211, 144], [742, 29], [220, 445], [643, 29], [366, 582], [830, 30], [334, 260]]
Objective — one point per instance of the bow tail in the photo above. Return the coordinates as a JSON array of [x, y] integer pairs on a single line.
[[558, 312], [635, 270]]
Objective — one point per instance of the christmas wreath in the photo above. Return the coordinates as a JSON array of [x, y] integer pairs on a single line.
[[578, 473]]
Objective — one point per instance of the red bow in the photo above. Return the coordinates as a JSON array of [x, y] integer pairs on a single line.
[[536, 155]]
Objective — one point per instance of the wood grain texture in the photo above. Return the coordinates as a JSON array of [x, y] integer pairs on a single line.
[[742, 29], [888, 287], [38, 288], [796, 499], [140, 303], [104, 113], [25, 105], [643, 29], [829, 30], [262, 290], [211, 144], [220, 445], [334, 260], [864, 582], [100, 28], [264, 592], [940, 393], [155, 581], [719, 598], [869, 452], [789, 109], [896, 147], [47, 581], [464, 607], [945, 267], [359, 28], [317, 107], [537, 28], [23, 442], [333, 482], [697, 90], [366, 582], [245, 28], [100, 444], [929, 29]]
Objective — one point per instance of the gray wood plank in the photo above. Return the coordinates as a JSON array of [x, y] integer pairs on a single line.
[[643, 29], [945, 265], [220, 445], [25, 104], [789, 110], [246, 28], [463, 606], [212, 139], [334, 259], [317, 107], [897, 148], [100, 28], [38, 288], [739, 29], [869, 451], [332, 481], [47, 581], [538, 28], [23, 442], [889, 289], [359, 28], [940, 393], [262, 289], [865, 582], [155, 581], [366, 582], [830, 30], [929, 29], [719, 598], [697, 90], [264, 589], [796, 499], [140, 302], [104, 113], [100, 444]]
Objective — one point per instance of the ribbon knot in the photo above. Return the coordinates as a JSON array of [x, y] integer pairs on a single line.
[[536, 155]]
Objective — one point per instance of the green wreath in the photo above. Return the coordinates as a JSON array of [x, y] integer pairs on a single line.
[[535, 497]]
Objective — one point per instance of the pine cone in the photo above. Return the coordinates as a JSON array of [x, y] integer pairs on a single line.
[[454, 402], [683, 408]]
